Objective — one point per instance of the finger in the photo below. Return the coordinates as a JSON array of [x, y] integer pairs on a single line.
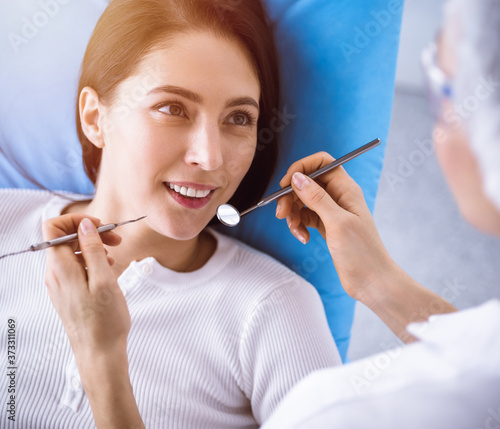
[[94, 253], [301, 233], [59, 227], [306, 165], [306, 218], [111, 238], [337, 181], [68, 224], [79, 256], [294, 217], [315, 197], [285, 205], [64, 225], [310, 219]]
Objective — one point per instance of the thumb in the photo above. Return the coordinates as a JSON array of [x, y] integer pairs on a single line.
[[313, 196], [92, 248]]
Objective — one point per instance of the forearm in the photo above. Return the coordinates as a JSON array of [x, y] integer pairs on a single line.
[[398, 300], [107, 385]]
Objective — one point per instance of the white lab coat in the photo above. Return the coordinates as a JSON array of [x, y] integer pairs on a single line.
[[450, 379]]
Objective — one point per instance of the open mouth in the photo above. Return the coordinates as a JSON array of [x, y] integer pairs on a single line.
[[189, 197], [189, 192]]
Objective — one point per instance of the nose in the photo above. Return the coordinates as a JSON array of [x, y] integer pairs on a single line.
[[205, 147]]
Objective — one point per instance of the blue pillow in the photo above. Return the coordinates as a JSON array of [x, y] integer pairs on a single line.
[[338, 62], [338, 68], [41, 52]]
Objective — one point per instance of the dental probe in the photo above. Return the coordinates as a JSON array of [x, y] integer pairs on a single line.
[[69, 238]]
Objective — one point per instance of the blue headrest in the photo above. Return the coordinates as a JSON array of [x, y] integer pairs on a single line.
[[338, 62], [338, 68]]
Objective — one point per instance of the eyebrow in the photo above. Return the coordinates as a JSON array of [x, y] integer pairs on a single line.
[[233, 102]]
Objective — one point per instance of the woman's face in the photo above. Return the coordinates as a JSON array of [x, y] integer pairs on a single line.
[[458, 163], [186, 120]]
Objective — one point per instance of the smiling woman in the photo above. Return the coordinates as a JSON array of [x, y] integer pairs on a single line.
[[187, 132], [170, 324]]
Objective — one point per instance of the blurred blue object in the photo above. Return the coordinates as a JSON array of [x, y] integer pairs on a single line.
[[338, 62]]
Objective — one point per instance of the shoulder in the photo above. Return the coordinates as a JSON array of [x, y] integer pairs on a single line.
[[260, 281], [15, 195], [19, 203], [256, 266], [30, 206]]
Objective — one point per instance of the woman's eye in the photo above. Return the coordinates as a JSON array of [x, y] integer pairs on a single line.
[[240, 119], [243, 119], [171, 109]]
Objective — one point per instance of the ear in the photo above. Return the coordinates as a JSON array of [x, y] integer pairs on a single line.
[[90, 112]]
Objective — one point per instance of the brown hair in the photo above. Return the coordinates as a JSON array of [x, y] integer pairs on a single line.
[[129, 29]]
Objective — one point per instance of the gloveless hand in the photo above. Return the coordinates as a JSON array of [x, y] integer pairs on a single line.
[[336, 207], [83, 288]]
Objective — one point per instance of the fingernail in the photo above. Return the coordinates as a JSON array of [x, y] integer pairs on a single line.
[[289, 221], [278, 207], [299, 180], [299, 236], [87, 227]]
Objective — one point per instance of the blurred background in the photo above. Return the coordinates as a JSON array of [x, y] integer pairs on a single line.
[[415, 212]]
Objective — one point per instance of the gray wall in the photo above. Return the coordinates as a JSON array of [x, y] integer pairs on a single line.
[[421, 22]]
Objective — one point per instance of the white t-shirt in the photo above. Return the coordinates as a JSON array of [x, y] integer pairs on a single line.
[[450, 379], [215, 348]]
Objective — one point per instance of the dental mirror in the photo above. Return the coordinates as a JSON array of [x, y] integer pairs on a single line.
[[230, 216]]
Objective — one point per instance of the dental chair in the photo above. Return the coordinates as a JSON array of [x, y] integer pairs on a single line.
[[338, 60]]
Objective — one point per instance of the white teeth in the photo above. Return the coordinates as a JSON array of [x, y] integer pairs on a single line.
[[189, 192], [202, 194]]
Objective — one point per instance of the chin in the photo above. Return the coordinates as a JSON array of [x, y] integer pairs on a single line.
[[181, 231]]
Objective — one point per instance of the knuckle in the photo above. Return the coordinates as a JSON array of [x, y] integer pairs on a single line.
[[92, 246], [51, 280], [48, 279], [57, 266], [325, 155], [101, 284], [355, 192], [318, 196], [296, 166], [46, 229]]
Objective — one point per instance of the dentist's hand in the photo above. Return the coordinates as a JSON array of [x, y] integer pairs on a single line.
[[93, 310], [84, 289], [337, 209]]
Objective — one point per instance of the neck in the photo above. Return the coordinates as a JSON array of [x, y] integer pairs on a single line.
[[139, 242]]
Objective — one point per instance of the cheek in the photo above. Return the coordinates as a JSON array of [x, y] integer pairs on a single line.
[[135, 140], [240, 159]]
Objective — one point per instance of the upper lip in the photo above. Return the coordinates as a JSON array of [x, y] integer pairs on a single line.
[[193, 185]]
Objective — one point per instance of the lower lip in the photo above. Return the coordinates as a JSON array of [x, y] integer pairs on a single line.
[[190, 203]]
